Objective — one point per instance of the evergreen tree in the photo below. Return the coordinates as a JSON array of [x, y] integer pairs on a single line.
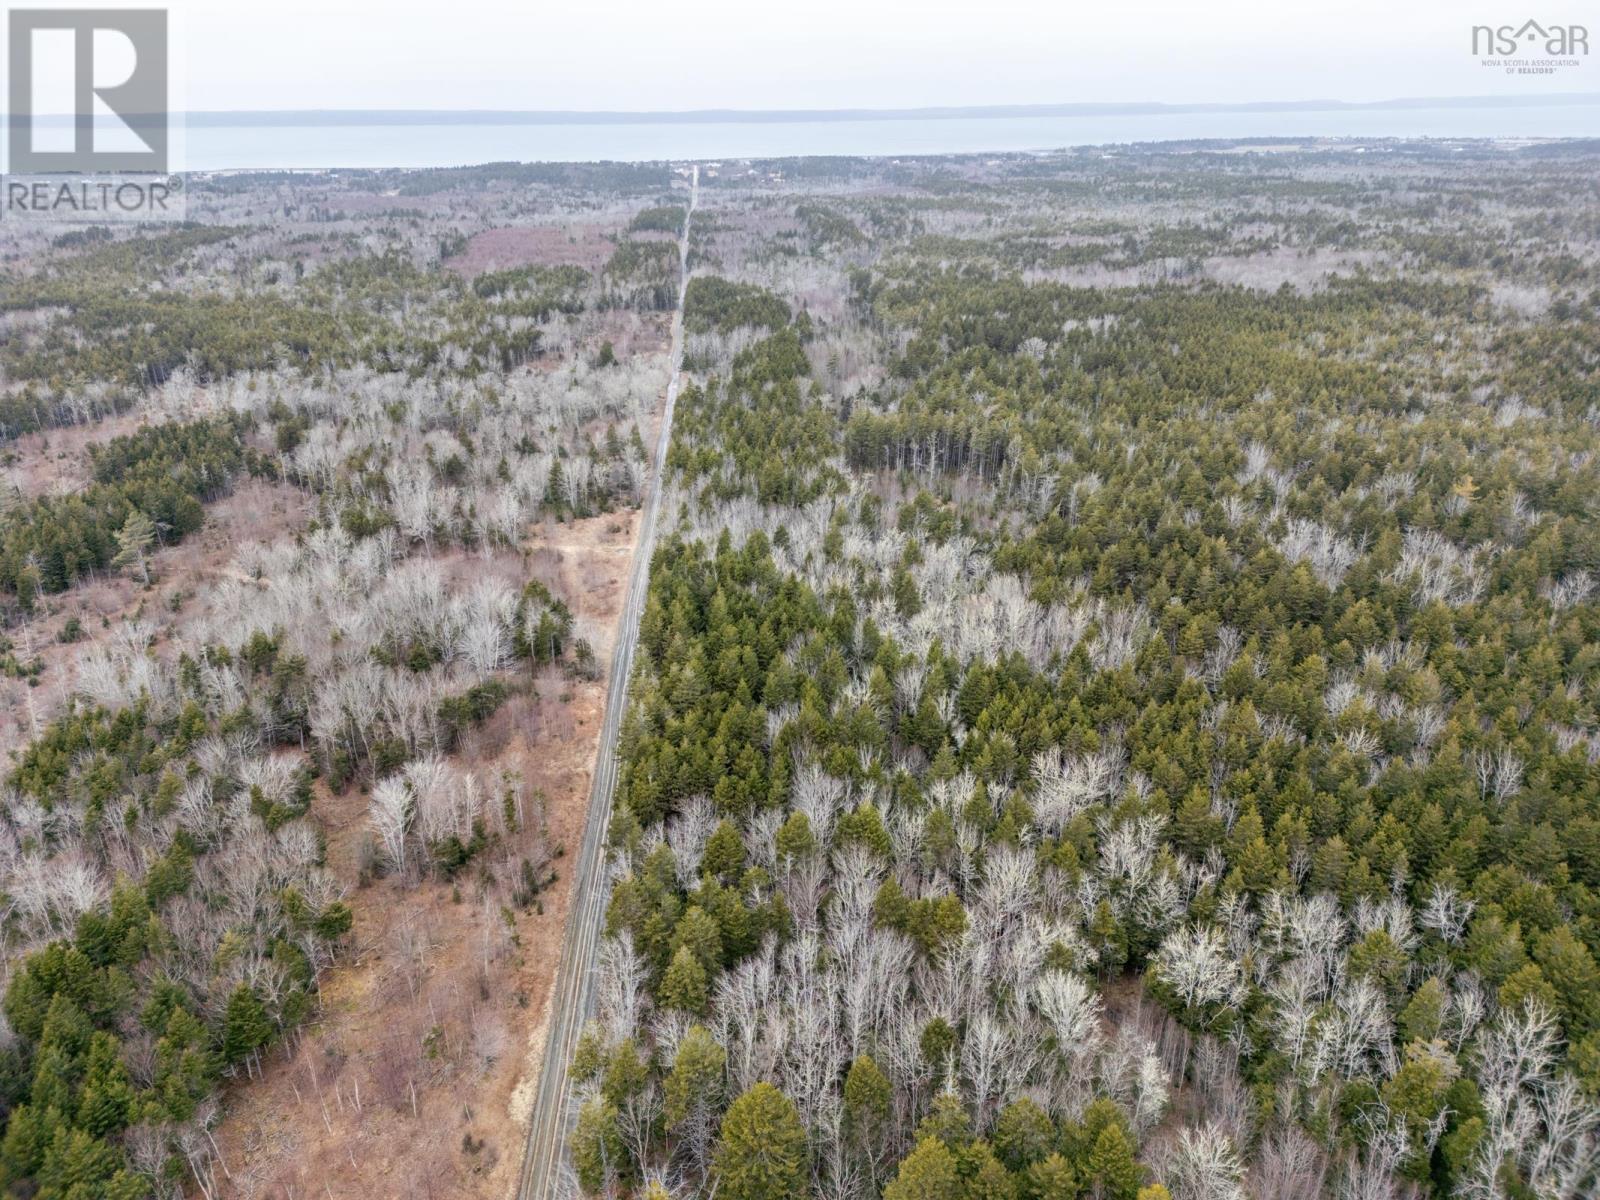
[[1023, 1134], [1112, 1166], [1051, 1178], [867, 1097], [763, 1150], [598, 1151], [134, 539], [695, 1081], [684, 985], [245, 1026], [927, 1173], [1424, 1013]]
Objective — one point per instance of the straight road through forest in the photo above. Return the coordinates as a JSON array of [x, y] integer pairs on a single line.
[[573, 995]]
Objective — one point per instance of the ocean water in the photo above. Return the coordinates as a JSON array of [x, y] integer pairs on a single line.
[[271, 146]]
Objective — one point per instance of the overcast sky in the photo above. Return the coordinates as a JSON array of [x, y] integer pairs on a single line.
[[631, 54]]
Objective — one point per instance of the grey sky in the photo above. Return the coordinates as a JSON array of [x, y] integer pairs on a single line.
[[630, 54]]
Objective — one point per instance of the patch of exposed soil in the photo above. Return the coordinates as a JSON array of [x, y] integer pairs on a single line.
[[53, 462], [575, 243]]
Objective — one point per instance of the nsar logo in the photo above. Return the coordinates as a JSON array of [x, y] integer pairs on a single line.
[[1531, 48]]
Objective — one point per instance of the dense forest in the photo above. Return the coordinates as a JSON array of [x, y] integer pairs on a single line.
[[283, 624], [1116, 711]]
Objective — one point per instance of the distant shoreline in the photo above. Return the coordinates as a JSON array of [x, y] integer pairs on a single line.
[[315, 118]]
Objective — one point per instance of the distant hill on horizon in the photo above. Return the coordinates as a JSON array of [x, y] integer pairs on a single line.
[[314, 117]]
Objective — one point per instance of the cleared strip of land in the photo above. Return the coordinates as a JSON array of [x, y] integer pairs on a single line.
[[573, 994]]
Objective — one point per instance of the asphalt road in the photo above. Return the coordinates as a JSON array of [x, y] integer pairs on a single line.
[[573, 997]]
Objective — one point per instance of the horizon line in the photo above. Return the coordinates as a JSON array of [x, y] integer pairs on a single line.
[[241, 118]]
